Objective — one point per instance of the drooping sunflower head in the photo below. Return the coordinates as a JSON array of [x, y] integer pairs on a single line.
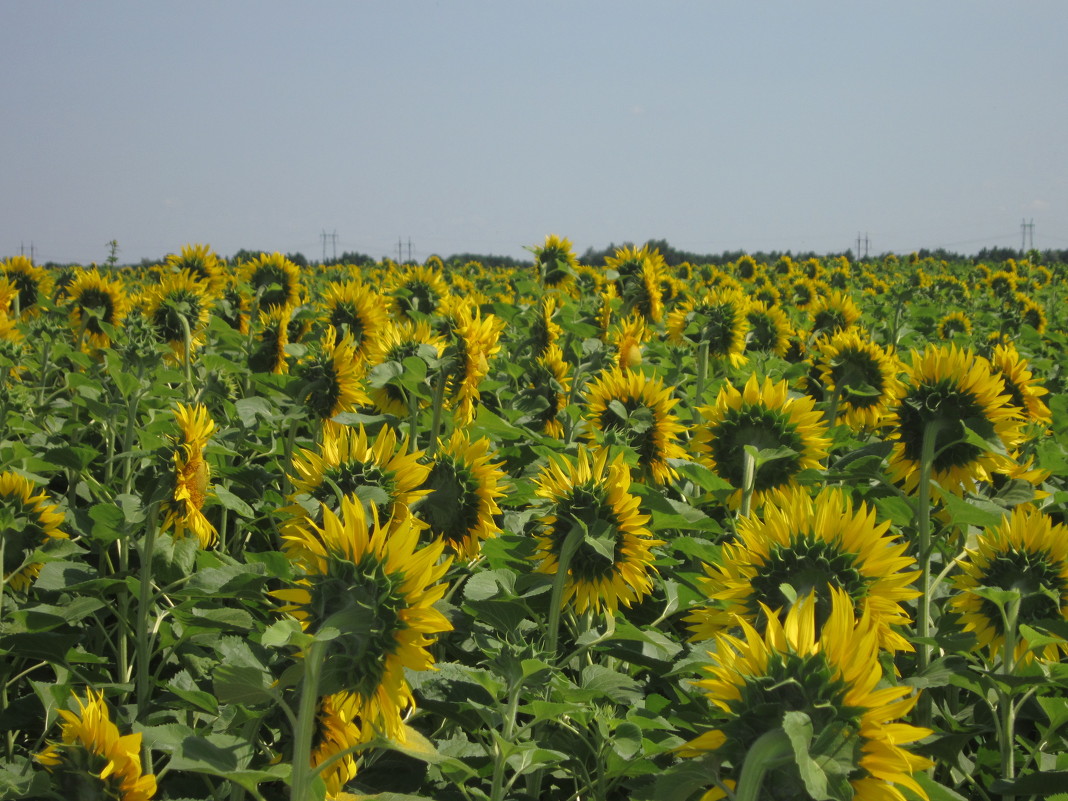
[[554, 261], [332, 377], [951, 392], [627, 408], [202, 264], [715, 322], [547, 385], [31, 283], [396, 343], [27, 522], [544, 330], [592, 516], [179, 305], [269, 353], [182, 511], [812, 546], [274, 280], [473, 340], [765, 416], [862, 375], [92, 760], [462, 488], [1026, 553], [417, 291], [336, 733], [95, 300], [833, 312], [372, 581], [358, 309], [829, 674]]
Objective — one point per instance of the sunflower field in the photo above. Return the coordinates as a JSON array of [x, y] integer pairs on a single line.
[[790, 530]]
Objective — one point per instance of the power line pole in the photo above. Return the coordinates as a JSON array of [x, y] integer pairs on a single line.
[[409, 248], [400, 258], [1027, 232], [333, 239]]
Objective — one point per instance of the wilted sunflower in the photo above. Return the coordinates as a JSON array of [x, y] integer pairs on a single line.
[[769, 328], [31, 282], [202, 264], [180, 296], [92, 760], [269, 353], [613, 563], [336, 732], [372, 581], [462, 488], [274, 279], [396, 343], [357, 308], [95, 300], [833, 313], [1028, 553], [831, 674], [812, 545], [626, 407], [765, 416], [192, 476], [332, 377], [716, 321], [950, 389], [349, 465], [417, 291], [554, 261], [547, 384], [862, 375], [1024, 391], [27, 522], [954, 323]]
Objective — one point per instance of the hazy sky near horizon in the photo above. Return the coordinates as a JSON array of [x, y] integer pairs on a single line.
[[466, 126]]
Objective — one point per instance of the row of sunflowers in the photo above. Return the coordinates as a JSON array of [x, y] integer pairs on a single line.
[[577, 531]]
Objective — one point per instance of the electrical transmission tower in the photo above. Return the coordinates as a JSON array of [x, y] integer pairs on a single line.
[[1027, 235], [333, 238], [866, 242]]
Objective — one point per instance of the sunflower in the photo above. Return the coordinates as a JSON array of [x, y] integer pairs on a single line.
[[269, 353], [232, 306], [764, 416], [27, 522], [274, 279], [1024, 391], [396, 343], [830, 674], [554, 261], [812, 545], [373, 582], [546, 391], [335, 734], [745, 268], [716, 321], [626, 407], [201, 263], [332, 377], [627, 337], [802, 292], [1026, 552], [417, 291], [192, 475], [1030, 313], [952, 391], [95, 300], [1002, 284], [862, 375], [350, 465], [638, 277], [180, 296], [954, 323], [92, 760], [29, 280], [590, 498], [544, 331], [473, 341], [769, 328], [833, 313], [358, 309], [462, 488]]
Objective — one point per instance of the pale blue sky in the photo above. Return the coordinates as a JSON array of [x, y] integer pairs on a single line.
[[484, 126]]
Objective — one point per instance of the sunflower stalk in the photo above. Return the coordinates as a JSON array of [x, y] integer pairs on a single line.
[[438, 404], [142, 641], [575, 537], [771, 750], [1010, 616], [749, 468], [302, 776], [923, 529], [702, 376], [187, 357]]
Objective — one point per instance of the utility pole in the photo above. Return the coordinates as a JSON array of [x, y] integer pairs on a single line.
[[409, 248], [333, 238], [400, 258], [1027, 232], [866, 242]]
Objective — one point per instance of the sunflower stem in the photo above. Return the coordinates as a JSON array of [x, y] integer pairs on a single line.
[[702, 375], [570, 546], [300, 782], [771, 750], [749, 466], [187, 356], [413, 422], [1006, 704], [144, 601], [435, 419], [923, 528]]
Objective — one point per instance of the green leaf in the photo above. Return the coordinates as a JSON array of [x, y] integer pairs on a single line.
[[233, 503], [239, 684]]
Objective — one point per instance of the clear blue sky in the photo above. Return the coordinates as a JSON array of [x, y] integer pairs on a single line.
[[484, 126]]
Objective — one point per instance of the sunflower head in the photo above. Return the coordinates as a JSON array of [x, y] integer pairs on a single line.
[[370, 581], [592, 511], [418, 292], [274, 279], [30, 282], [201, 263], [547, 384], [336, 733], [178, 307], [555, 261], [27, 522], [95, 301], [182, 512], [401, 341], [834, 312], [769, 328], [357, 309], [954, 324], [332, 377], [861, 374], [269, 353], [715, 322]]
